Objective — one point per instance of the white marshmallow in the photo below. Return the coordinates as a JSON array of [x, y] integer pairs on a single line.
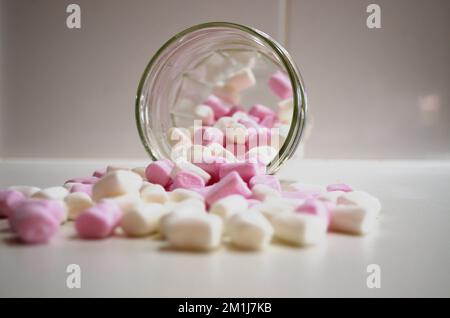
[[331, 196], [224, 122], [76, 203], [140, 171], [142, 219], [249, 230], [229, 206], [273, 206], [241, 80], [352, 219], [179, 195], [154, 193], [27, 191], [127, 201], [182, 164], [194, 231], [198, 153], [299, 228], [217, 150], [52, 193], [262, 192], [360, 198], [205, 114], [116, 183], [227, 93], [175, 209]]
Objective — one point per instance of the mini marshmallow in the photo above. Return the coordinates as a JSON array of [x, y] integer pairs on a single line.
[[236, 133], [228, 206], [125, 202], [246, 170], [241, 80], [140, 171], [194, 231], [98, 221], [352, 219], [179, 195], [232, 183], [116, 183], [154, 193], [176, 209], [196, 153], [314, 207], [260, 111], [299, 228], [212, 167], [360, 198], [182, 164], [249, 230], [76, 203], [36, 221], [187, 180], [219, 107], [204, 113], [52, 193], [224, 122], [159, 172], [262, 192], [274, 205], [266, 179], [178, 136], [142, 220], [248, 122], [207, 135], [280, 84], [27, 191], [8, 200], [217, 150]]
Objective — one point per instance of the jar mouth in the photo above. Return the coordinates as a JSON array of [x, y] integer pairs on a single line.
[[297, 123]]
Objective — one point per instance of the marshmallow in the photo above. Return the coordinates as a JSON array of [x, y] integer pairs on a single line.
[[249, 230], [182, 164], [27, 191], [142, 220], [8, 200], [204, 113], [260, 111], [125, 202], [227, 93], [154, 193], [229, 206], [266, 179], [269, 121], [330, 197], [352, 219], [285, 111], [207, 135], [280, 84], [220, 108], [179, 195], [232, 183], [76, 203], [98, 221], [224, 122], [159, 172], [236, 133], [262, 154], [261, 192], [246, 170], [99, 173], [194, 231], [187, 180], [314, 207], [196, 153], [273, 206], [360, 198], [52, 193], [80, 187], [217, 150], [299, 228], [36, 221], [241, 80], [116, 183], [339, 187]]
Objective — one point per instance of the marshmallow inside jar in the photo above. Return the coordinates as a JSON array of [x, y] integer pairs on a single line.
[[220, 92]]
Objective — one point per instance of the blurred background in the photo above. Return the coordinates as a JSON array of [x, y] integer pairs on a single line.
[[373, 93]]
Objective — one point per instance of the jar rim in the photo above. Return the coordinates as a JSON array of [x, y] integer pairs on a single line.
[[296, 128]]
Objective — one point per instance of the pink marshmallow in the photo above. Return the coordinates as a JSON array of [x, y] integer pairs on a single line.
[[260, 111], [218, 106], [83, 180], [314, 207], [80, 187], [235, 109], [339, 187], [280, 85], [249, 123], [99, 221], [269, 121], [266, 179], [212, 167], [99, 173], [187, 180], [232, 183], [8, 200], [158, 172], [246, 170], [36, 220]]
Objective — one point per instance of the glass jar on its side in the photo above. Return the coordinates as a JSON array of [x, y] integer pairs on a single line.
[[185, 70]]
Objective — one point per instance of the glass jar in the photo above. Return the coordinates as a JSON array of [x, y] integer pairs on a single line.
[[185, 70]]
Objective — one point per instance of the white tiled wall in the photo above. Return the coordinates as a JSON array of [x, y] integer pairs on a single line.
[[373, 93]]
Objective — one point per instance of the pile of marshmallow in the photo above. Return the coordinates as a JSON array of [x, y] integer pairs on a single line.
[[193, 206], [225, 128]]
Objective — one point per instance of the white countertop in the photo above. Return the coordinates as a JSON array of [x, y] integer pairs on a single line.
[[411, 244]]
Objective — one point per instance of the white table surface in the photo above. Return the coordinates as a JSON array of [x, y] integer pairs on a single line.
[[411, 244]]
